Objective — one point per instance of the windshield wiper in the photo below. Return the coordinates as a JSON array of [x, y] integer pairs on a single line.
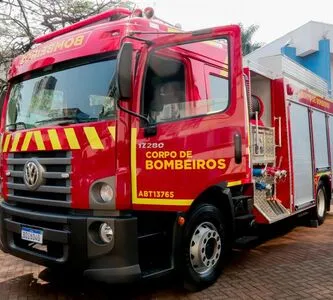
[[59, 120], [14, 125], [66, 120]]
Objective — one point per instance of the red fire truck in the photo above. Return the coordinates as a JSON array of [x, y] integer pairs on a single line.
[[131, 149]]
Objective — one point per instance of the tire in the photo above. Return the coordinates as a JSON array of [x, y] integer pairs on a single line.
[[321, 203], [203, 247]]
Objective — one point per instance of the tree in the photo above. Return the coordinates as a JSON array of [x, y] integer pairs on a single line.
[[247, 34], [23, 20]]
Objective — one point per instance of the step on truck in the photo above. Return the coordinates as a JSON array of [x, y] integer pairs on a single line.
[[131, 149]]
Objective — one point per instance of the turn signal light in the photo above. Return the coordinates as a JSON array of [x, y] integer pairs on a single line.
[[181, 221]]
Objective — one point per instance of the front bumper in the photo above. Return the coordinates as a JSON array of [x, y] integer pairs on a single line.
[[68, 242]]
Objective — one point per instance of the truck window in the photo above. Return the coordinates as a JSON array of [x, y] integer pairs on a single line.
[[164, 93], [202, 67], [80, 93], [219, 92]]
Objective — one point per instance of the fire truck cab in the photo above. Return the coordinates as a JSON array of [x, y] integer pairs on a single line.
[[131, 149]]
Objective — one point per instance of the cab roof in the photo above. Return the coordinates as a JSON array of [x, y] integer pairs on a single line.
[[97, 34]]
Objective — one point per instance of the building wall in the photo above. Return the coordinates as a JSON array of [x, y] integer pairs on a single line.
[[331, 75], [304, 39], [318, 62], [310, 45]]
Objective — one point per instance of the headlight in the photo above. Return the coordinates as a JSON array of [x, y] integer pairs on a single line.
[[103, 194], [106, 233], [106, 193]]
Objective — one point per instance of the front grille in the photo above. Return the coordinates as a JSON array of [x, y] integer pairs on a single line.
[[56, 188]]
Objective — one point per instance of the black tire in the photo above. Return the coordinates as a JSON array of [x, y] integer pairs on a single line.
[[319, 212], [203, 215]]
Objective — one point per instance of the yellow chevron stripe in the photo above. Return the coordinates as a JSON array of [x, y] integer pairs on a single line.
[[93, 138], [54, 139], [71, 138], [15, 141], [39, 140], [112, 131], [5, 147], [26, 141], [1, 140]]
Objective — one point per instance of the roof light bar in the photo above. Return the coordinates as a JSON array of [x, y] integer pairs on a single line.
[[107, 14]]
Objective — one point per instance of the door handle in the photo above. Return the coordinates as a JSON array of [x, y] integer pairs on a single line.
[[280, 132], [238, 148]]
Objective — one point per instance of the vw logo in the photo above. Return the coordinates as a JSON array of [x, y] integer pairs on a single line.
[[33, 174]]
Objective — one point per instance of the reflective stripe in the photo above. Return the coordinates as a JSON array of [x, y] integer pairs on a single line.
[[26, 141], [234, 183], [93, 138], [5, 147], [133, 164], [112, 131], [54, 139], [39, 140], [15, 141], [174, 202], [71, 138], [11, 142]]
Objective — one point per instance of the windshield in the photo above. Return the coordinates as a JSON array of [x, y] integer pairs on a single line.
[[73, 95]]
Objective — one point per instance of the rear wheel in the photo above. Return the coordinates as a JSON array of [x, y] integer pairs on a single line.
[[204, 247], [321, 200]]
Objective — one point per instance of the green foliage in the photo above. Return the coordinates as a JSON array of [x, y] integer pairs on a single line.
[[247, 34], [127, 4]]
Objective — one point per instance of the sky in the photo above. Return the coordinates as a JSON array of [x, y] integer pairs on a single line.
[[275, 18]]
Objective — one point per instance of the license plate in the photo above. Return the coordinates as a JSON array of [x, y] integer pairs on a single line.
[[32, 235]]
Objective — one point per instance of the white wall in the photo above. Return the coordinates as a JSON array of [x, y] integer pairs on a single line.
[[304, 38]]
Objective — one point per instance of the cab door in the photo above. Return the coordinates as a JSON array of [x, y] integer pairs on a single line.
[[192, 95]]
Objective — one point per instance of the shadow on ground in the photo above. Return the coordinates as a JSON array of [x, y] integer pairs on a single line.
[[55, 286], [52, 285]]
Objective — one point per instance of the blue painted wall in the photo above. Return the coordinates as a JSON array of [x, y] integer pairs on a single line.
[[318, 62]]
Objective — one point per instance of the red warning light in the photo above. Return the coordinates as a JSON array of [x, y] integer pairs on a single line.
[[149, 12], [137, 13]]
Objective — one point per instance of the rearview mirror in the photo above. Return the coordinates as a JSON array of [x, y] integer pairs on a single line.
[[124, 71]]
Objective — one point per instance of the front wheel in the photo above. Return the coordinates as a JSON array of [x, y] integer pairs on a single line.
[[204, 247]]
